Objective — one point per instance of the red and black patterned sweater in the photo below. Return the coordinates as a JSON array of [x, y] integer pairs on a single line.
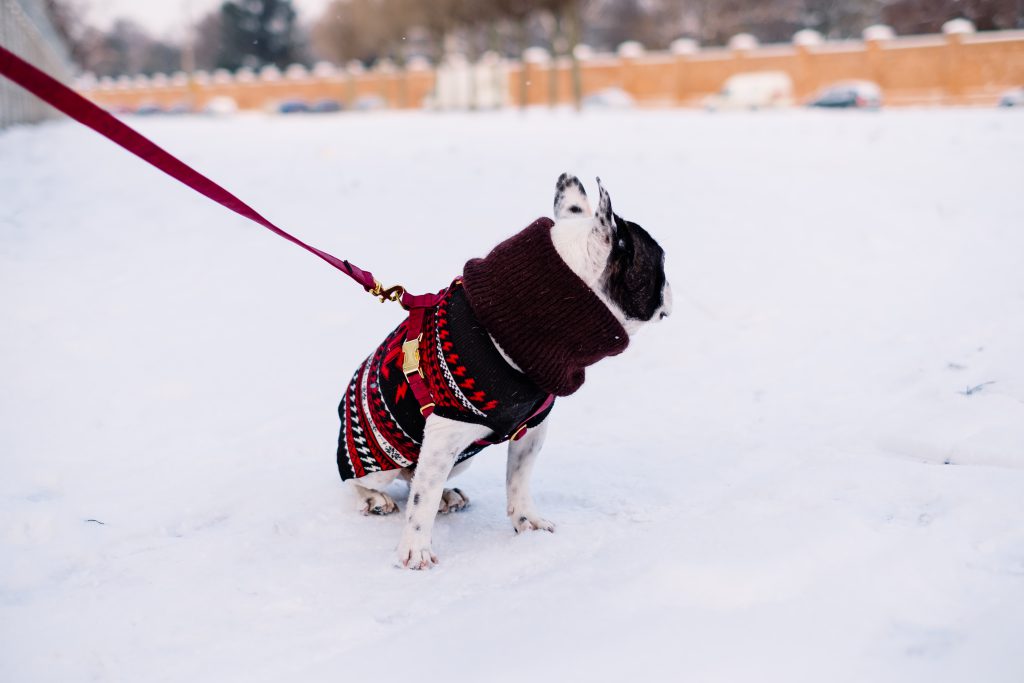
[[469, 381], [544, 316]]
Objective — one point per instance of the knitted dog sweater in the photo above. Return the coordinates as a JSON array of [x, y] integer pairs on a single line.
[[524, 297], [549, 322], [469, 381]]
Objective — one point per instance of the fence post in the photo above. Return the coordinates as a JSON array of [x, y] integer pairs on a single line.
[[741, 44], [415, 68], [953, 72], [581, 53], [681, 50], [535, 60], [804, 79], [384, 73], [629, 52], [353, 70], [874, 36]]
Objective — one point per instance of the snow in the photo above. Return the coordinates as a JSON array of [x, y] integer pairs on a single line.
[[787, 480]]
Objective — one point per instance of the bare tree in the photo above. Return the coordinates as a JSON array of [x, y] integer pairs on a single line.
[[366, 30], [67, 17], [650, 22], [206, 41], [517, 13], [840, 18], [928, 16]]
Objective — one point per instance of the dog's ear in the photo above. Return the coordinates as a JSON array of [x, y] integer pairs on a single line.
[[571, 198], [605, 216]]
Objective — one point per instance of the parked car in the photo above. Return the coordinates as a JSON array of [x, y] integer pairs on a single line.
[[370, 103], [608, 98], [149, 109], [292, 107], [325, 106], [1012, 98], [222, 105], [849, 95], [753, 90]]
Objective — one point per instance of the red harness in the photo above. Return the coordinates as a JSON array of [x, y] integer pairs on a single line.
[[414, 374]]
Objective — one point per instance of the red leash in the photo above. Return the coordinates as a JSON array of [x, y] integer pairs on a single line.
[[66, 100]]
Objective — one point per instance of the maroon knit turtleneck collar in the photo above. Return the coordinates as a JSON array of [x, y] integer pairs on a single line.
[[549, 322]]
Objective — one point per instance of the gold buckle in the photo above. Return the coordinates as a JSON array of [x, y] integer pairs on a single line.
[[393, 293], [411, 356], [424, 409], [518, 434]]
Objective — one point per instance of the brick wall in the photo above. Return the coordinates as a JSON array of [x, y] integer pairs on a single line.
[[957, 67]]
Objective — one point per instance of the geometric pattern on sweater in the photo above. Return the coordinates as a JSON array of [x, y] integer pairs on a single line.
[[469, 381]]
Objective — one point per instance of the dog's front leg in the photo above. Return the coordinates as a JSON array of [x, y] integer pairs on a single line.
[[521, 456], [443, 439]]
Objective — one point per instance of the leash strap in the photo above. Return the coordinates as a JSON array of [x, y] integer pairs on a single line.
[[66, 100]]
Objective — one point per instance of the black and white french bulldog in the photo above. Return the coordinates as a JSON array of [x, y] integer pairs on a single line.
[[623, 266]]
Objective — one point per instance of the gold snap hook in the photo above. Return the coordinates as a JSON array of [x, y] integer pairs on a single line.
[[393, 293]]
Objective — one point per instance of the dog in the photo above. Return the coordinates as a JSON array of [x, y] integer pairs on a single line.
[[517, 330]]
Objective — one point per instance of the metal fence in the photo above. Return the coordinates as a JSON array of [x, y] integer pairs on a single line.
[[25, 30]]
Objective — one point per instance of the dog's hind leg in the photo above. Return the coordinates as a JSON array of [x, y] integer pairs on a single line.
[[521, 456], [453, 499], [443, 439], [370, 496]]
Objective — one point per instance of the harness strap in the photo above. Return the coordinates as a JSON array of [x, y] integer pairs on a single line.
[[520, 431], [66, 100], [411, 361], [412, 369]]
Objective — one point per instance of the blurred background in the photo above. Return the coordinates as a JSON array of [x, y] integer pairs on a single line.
[[295, 56]]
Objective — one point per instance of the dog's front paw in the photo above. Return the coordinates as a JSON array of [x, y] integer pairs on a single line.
[[529, 521], [415, 556]]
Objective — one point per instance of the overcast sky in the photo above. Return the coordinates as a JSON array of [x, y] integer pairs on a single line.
[[164, 17]]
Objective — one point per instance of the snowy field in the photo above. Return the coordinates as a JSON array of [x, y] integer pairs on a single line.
[[813, 471]]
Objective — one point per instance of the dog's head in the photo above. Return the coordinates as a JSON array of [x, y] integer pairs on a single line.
[[617, 258]]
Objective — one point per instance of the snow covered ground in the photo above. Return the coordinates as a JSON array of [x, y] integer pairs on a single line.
[[813, 471]]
